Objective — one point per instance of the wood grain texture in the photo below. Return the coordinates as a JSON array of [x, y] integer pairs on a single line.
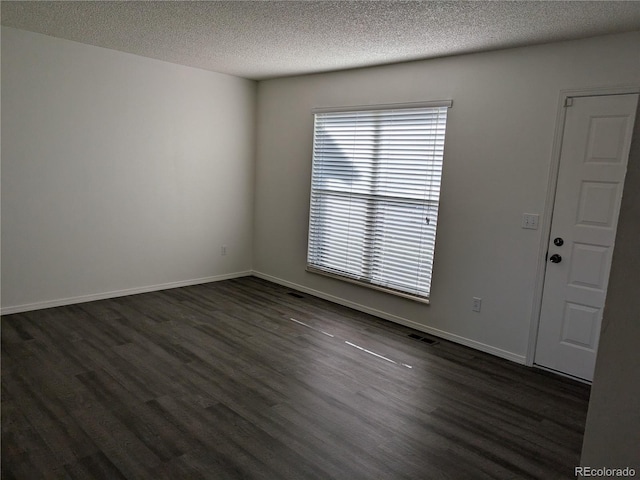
[[217, 381]]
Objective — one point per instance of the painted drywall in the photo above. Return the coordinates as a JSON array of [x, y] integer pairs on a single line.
[[119, 173], [497, 161], [612, 433]]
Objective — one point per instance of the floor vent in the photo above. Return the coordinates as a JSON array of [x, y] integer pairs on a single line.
[[426, 340], [297, 295]]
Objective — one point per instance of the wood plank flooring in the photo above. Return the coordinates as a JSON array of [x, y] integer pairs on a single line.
[[217, 381]]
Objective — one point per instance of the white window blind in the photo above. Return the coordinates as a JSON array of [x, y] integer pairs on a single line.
[[374, 196]]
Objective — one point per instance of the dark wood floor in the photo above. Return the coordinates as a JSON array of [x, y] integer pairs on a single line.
[[217, 381]]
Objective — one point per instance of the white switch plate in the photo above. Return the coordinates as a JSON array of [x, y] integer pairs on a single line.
[[476, 304], [530, 220]]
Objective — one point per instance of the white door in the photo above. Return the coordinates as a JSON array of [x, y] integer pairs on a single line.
[[593, 163]]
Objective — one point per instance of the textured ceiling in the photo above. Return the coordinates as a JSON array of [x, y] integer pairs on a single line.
[[265, 39]]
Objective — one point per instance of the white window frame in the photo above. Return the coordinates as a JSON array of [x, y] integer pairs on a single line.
[[376, 177]]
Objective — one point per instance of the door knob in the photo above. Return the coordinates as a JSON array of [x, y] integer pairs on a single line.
[[555, 258], [558, 242]]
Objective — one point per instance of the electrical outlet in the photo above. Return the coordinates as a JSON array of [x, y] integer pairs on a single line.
[[477, 304], [530, 220], [223, 250]]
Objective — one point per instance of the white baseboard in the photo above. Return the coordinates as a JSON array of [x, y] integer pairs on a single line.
[[118, 293], [498, 352]]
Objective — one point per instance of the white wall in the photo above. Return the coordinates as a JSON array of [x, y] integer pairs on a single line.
[[119, 173], [497, 160]]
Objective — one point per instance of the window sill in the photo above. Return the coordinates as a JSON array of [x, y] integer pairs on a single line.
[[391, 291]]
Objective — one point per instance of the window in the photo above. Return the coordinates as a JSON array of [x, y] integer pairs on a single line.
[[374, 195]]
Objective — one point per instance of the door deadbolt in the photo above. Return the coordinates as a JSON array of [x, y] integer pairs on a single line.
[[558, 242]]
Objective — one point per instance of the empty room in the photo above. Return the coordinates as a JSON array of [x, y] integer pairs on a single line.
[[320, 239]]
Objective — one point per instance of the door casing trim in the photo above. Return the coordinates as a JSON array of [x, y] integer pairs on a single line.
[[547, 213]]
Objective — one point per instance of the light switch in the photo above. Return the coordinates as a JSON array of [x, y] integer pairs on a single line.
[[530, 220]]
